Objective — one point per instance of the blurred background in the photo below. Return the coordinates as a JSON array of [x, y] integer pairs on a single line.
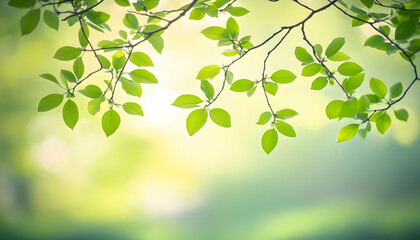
[[152, 181]]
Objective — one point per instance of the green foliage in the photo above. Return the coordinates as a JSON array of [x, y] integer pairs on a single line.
[[396, 30]]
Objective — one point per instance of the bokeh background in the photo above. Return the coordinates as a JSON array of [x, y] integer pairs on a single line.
[[152, 181]]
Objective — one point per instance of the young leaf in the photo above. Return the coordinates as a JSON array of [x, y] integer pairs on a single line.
[[237, 11], [50, 77], [196, 120], [220, 117], [233, 27], [123, 3], [303, 55], [353, 82], [143, 76], [94, 106], [339, 57], [67, 76], [187, 101], [349, 69], [347, 132], [29, 22], [311, 70], [269, 140], [285, 129], [283, 76], [208, 72], [197, 14], [378, 87], [334, 47], [78, 67], [97, 18], [271, 87], [333, 109], [130, 87], [110, 122], [51, 19], [286, 113], [383, 122], [157, 43], [405, 30], [207, 88], [396, 90], [67, 53], [104, 61], [319, 83], [141, 60], [133, 108], [242, 85], [50, 102], [118, 59], [70, 114], [401, 114], [265, 117], [91, 91], [213, 33]]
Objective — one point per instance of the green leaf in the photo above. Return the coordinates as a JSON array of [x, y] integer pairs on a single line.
[[334, 47], [356, 23], [67, 76], [196, 120], [339, 57], [311, 70], [405, 30], [207, 88], [130, 21], [213, 33], [333, 109], [303, 55], [67, 53], [396, 90], [271, 87], [265, 117], [229, 77], [50, 102], [220, 117], [150, 4], [233, 27], [286, 113], [318, 50], [29, 22], [51, 19], [143, 76], [367, 3], [78, 67], [375, 41], [70, 114], [319, 83], [197, 13], [349, 69], [94, 106], [208, 72], [110, 122], [347, 132], [130, 87], [353, 82], [157, 43], [141, 60], [118, 59], [237, 11], [349, 108], [363, 133], [50, 77], [383, 122], [97, 18], [378, 87], [22, 3], [91, 91], [283, 76], [230, 52], [187, 101], [401, 114], [105, 62], [81, 36], [133, 108], [123, 3], [363, 104], [242, 85], [285, 129], [251, 91], [269, 140]]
